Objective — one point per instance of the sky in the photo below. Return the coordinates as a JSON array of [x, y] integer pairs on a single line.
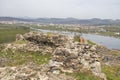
[[81, 9]]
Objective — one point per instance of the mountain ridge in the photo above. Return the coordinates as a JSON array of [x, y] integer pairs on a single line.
[[93, 21]]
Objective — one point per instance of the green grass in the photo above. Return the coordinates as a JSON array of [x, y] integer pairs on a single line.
[[19, 58], [21, 42], [112, 72], [9, 35], [77, 38], [8, 31], [90, 42], [111, 34], [84, 76]]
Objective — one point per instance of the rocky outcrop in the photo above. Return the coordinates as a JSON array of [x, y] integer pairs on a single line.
[[109, 57], [46, 38], [37, 42], [77, 58], [67, 56], [19, 37], [31, 72], [28, 47]]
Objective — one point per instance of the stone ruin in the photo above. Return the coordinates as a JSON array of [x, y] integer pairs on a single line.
[[67, 55], [53, 40], [30, 72], [76, 57]]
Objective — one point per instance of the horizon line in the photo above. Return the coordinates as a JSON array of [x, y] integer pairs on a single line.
[[28, 17]]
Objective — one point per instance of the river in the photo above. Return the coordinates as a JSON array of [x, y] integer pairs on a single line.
[[109, 42]]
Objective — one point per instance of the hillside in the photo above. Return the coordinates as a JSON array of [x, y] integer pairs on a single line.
[[49, 56], [94, 21]]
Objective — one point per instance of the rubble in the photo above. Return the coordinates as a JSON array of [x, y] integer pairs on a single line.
[[46, 39], [81, 58], [67, 56], [31, 72]]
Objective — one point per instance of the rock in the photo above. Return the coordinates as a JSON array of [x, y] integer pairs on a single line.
[[38, 42], [19, 37], [3, 62], [93, 48], [44, 39], [31, 72], [54, 63], [78, 59], [85, 63], [56, 72], [96, 67], [67, 56], [102, 76]]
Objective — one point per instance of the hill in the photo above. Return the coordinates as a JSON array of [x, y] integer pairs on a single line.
[[94, 21]]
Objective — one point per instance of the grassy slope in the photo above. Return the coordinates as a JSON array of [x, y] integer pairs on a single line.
[[112, 72], [18, 58], [8, 32], [8, 35]]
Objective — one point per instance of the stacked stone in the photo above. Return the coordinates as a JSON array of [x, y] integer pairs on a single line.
[[46, 39], [30, 72], [68, 56], [77, 58]]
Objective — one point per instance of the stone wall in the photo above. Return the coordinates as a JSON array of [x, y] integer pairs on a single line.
[[67, 55]]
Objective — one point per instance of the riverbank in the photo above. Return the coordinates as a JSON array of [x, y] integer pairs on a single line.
[[107, 30], [109, 42], [110, 62]]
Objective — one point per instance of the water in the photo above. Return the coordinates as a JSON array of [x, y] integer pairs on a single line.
[[109, 42]]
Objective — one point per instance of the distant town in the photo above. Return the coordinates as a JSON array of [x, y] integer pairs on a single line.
[[104, 27]]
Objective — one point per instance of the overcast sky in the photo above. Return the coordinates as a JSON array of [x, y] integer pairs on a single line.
[[82, 9]]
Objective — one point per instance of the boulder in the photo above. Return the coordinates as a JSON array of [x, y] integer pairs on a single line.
[[19, 37]]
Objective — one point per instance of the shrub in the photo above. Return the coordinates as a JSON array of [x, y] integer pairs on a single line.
[[90, 42], [77, 38]]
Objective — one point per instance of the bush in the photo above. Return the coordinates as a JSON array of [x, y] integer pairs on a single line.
[[90, 42], [77, 38]]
